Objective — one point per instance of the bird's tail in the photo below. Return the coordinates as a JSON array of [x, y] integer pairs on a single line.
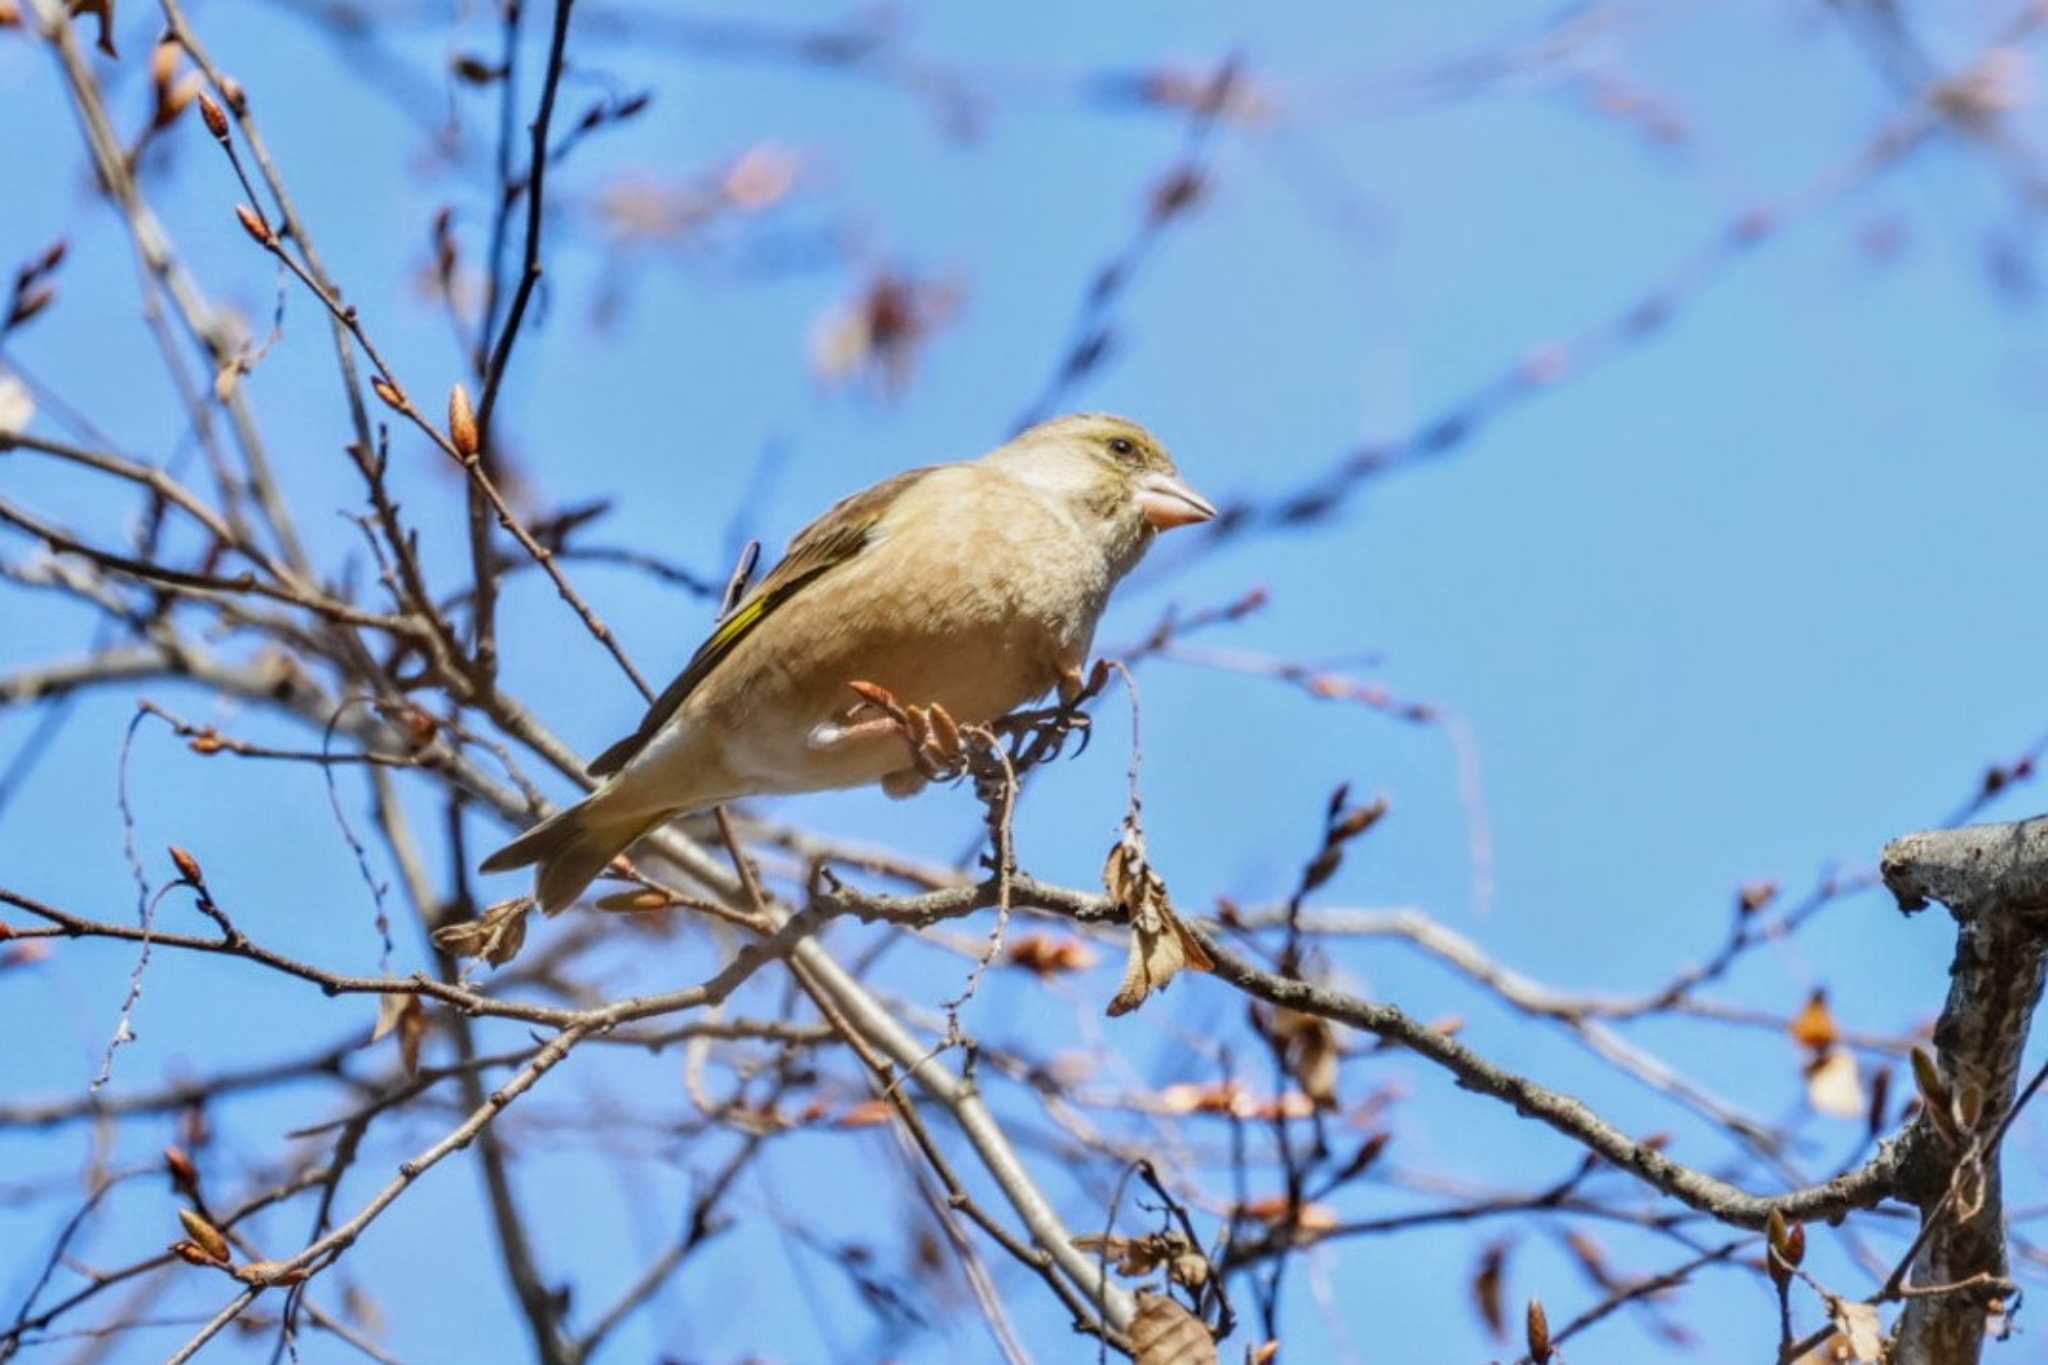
[[572, 846]]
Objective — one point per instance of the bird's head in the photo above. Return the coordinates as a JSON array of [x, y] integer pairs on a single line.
[[1107, 468]]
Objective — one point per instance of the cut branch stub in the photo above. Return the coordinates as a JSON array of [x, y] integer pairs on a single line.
[[1994, 881]]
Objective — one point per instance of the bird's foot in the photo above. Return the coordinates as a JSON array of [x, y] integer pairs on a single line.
[[938, 751], [1038, 735], [1043, 733]]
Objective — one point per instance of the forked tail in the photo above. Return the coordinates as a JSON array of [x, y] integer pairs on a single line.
[[572, 846]]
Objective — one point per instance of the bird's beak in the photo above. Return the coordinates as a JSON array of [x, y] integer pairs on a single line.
[[1167, 502]]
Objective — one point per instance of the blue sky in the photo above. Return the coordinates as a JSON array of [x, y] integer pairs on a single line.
[[1741, 601]]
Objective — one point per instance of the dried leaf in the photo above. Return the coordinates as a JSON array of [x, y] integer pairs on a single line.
[[761, 176], [882, 330], [17, 405], [496, 935], [1164, 1333], [412, 1031], [1273, 1209], [405, 1015], [866, 1114], [1860, 1328], [1834, 1087], [389, 1006], [1134, 1256], [1217, 1097], [1486, 1289], [1312, 1052], [1592, 1259], [1161, 945], [1814, 1026], [102, 10], [1050, 954]]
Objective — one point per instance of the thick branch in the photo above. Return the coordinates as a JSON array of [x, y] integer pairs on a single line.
[[1994, 881]]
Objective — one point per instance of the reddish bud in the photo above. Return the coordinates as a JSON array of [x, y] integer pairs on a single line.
[[208, 1237], [216, 119], [184, 1175], [1539, 1333], [462, 430], [188, 866], [191, 1254], [253, 223], [29, 303]]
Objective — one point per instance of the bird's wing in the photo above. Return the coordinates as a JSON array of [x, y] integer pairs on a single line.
[[846, 529]]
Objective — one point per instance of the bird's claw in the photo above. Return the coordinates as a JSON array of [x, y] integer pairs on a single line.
[[937, 749], [1043, 733]]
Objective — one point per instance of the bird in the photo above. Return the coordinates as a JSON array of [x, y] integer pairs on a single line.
[[974, 587]]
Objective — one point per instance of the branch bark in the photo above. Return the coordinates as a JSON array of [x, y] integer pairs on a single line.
[[1994, 881]]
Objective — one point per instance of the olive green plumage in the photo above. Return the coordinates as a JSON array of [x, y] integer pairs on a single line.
[[976, 586]]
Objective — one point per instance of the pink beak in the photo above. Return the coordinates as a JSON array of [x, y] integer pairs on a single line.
[[1166, 502]]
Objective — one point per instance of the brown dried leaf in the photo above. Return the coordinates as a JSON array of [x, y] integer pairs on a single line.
[[1050, 954], [1135, 1256], [1814, 1026], [1592, 1259], [1129, 1255], [1217, 1097], [496, 935], [1164, 1333], [405, 1015], [1312, 1052], [1859, 1328], [102, 10], [1273, 1209], [1161, 945], [412, 1031], [1487, 1289], [866, 1114], [389, 1006]]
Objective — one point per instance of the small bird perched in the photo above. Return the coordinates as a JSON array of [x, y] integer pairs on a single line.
[[974, 587]]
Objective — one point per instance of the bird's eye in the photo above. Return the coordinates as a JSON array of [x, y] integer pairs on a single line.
[[1122, 445]]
